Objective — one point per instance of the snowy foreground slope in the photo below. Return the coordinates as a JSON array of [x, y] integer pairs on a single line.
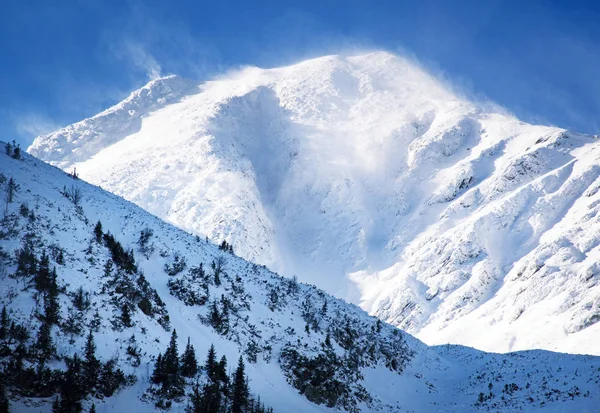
[[369, 178], [357, 363]]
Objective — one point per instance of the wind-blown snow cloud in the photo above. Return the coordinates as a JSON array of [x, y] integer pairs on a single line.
[[155, 47], [33, 124], [140, 58]]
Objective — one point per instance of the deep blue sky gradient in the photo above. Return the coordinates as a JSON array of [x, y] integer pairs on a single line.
[[64, 60]]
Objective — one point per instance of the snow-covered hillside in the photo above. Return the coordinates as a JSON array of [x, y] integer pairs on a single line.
[[134, 278], [369, 178]]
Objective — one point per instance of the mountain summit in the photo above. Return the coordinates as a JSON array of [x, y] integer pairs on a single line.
[[371, 179]]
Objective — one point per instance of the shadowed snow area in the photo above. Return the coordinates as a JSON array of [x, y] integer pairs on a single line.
[[366, 176]]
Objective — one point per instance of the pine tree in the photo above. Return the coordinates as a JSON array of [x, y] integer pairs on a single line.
[[98, 232], [273, 299], [222, 376], [328, 340], [215, 317], [173, 381], [96, 321], [211, 398], [56, 405], [4, 402], [158, 375], [196, 404], [60, 257], [211, 392], [51, 304], [240, 393], [211, 363], [42, 277], [4, 323], [8, 149], [189, 365], [217, 278], [225, 305], [91, 365], [110, 379], [16, 153], [26, 261], [44, 344], [126, 315], [92, 409], [133, 351], [72, 389], [11, 189], [81, 300], [324, 309]]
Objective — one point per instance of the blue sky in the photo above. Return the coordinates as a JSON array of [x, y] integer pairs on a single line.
[[64, 60]]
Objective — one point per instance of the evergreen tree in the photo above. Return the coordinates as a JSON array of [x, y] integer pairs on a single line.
[[273, 299], [196, 401], [214, 317], [240, 393], [91, 365], [8, 149], [217, 278], [96, 321], [4, 323], [42, 277], [44, 344], [167, 371], [225, 306], [215, 391], [26, 260], [16, 150], [211, 398], [189, 365], [133, 351], [81, 300], [60, 257], [110, 379], [221, 375], [92, 409], [211, 363], [324, 309], [72, 389], [56, 405], [126, 315], [158, 375], [173, 382], [11, 189], [328, 340], [51, 304], [4, 402]]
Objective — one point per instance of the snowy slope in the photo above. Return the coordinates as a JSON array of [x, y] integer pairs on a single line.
[[369, 178], [442, 379]]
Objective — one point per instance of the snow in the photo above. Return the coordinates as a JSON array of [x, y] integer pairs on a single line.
[[441, 379], [369, 178]]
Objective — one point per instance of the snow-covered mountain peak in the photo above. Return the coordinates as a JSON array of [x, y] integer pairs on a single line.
[[368, 177]]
